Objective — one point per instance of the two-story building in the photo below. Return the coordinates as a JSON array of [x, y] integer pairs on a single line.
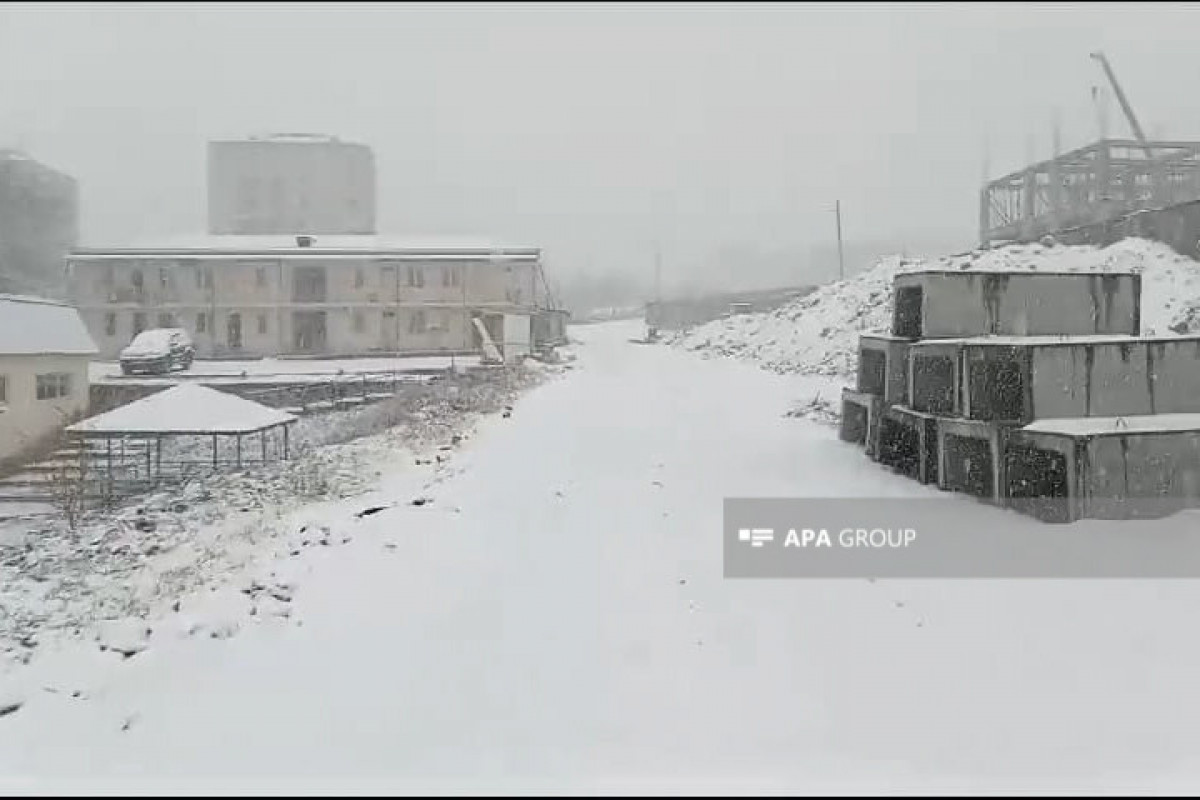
[[343, 295]]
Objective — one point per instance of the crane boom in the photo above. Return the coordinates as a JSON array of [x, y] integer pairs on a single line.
[[1122, 99]]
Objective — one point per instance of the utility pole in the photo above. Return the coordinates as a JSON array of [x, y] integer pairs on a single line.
[[466, 314], [657, 272], [1056, 135], [837, 209]]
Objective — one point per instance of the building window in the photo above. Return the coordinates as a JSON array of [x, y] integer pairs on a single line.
[[201, 322], [260, 277], [136, 277], [110, 324], [3, 389], [360, 323], [53, 385], [164, 277], [166, 320], [416, 323], [139, 322], [358, 279], [233, 330], [204, 277], [262, 323], [387, 276], [416, 276], [308, 285], [452, 276]]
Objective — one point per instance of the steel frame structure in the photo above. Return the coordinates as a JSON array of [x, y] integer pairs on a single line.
[[1092, 185]]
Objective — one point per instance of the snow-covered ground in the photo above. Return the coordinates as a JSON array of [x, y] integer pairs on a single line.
[[552, 615], [291, 368], [818, 334], [55, 580]]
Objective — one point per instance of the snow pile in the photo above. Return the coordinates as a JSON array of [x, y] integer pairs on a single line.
[[818, 334]]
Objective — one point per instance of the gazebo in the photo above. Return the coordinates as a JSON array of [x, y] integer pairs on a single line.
[[128, 441]]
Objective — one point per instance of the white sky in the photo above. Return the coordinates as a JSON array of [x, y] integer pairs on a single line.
[[591, 130]]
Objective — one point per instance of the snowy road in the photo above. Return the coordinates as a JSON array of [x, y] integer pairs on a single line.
[[556, 619]]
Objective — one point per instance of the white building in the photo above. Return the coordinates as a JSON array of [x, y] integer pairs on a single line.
[[289, 184], [331, 296], [44, 355]]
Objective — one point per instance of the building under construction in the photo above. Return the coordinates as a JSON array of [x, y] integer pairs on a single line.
[[1101, 193]]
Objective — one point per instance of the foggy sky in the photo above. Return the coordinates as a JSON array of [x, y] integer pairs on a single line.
[[591, 130]]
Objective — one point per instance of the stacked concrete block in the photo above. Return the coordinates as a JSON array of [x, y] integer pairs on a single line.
[[944, 304], [1034, 391], [1144, 466], [882, 382]]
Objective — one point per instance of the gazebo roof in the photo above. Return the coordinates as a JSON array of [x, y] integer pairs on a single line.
[[185, 410]]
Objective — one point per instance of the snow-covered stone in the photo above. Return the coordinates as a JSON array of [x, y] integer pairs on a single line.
[[127, 637]]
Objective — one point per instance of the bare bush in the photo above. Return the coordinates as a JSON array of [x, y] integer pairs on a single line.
[[68, 492]]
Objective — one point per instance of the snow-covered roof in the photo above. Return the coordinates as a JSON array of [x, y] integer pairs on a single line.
[[288, 138], [323, 138], [1022, 272], [1055, 341], [1033, 258], [37, 326], [1116, 426], [187, 409], [356, 245]]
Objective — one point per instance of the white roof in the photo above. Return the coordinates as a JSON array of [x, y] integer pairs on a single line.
[[36, 326], [185, 409], [1115, 426], [320, 244], [1045, 341]]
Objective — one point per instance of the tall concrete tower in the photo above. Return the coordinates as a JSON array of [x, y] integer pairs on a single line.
[[291, 184]]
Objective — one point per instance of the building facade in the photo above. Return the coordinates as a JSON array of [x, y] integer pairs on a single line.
[[292, 183], [334, 296], [39, 224], [44, 355]]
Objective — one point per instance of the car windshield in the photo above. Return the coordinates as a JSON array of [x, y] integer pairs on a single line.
[[152, 341]]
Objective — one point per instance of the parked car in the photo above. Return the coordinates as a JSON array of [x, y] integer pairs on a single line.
[[157, 351]]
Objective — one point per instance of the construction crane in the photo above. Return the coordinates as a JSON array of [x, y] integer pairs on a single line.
[[1124, 101]]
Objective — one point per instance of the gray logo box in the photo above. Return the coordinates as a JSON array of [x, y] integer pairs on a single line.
[[947, 538]]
